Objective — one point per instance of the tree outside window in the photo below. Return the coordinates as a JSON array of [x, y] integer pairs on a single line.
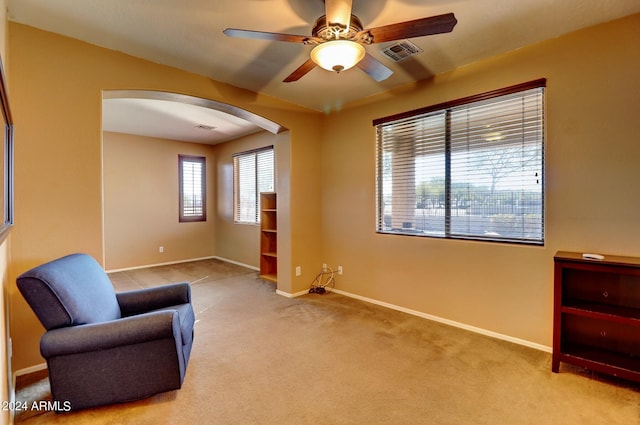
[[468, 169]]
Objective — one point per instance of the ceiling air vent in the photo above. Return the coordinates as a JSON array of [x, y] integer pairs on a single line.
[[400, 51], [205, 127]]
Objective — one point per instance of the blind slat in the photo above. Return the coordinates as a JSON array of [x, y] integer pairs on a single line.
[[254, 172], [472, 170], [192, 188]]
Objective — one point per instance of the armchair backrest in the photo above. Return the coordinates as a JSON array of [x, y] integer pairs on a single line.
[[72, 290]]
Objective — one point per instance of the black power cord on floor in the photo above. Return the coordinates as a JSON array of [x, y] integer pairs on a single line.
[[323, 282]]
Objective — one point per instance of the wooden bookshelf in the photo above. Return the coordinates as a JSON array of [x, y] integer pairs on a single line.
[[597, 314], [268, 237]]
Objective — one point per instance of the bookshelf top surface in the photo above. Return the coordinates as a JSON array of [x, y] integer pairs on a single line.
[[608, 259]]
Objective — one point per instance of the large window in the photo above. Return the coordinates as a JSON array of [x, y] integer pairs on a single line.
[[468, 169], [253, 172], [192, 176]]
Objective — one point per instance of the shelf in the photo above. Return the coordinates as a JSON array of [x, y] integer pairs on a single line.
[[269, 277], [592, 358], [268, 237], [268, 201], [629, 316], [609, 260], [597, 314]]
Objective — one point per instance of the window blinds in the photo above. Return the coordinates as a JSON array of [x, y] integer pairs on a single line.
[[467, 170], [192, 188], [253, 173]]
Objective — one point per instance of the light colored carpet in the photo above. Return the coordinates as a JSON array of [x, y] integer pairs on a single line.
[[259, 358]]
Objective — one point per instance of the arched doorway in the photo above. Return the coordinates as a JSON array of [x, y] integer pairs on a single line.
[[143, 131]]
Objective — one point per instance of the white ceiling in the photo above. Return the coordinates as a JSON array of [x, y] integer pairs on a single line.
[[187, 34], [174, 120]]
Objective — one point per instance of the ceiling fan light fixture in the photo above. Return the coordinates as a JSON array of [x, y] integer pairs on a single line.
[[338, 55]]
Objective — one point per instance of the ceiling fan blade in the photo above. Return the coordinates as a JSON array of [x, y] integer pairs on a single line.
[[409, 29], [272, 36], [338, 12], [374, 68], [301, 71]]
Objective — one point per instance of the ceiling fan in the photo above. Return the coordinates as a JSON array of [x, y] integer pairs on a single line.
[[339, 39]]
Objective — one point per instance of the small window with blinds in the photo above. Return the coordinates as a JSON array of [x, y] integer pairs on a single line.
[[467, 169], [192, 176], [253, 173]]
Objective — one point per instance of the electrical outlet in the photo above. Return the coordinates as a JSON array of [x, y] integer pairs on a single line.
[[324, 266], [298, 271], [161, 249], [339, 270]]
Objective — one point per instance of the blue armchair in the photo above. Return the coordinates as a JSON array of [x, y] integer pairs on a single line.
[[104, 347]]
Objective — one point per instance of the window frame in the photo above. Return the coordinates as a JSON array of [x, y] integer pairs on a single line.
[[183, 215], [256, 186], [446, 109]]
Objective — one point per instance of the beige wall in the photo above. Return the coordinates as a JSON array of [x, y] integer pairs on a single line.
[[240, 242], [56, 95], [326, 175], [592, 182], [6, 383], [236, 242], [5, 256], [141, 202]]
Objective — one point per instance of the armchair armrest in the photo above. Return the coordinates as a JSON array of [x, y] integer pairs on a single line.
[[99, 336], [144, 300]]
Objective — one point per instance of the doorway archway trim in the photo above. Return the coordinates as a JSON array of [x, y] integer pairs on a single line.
[[258, 120]]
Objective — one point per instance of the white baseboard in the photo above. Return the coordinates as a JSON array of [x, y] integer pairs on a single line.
[[438, 319], [453, 323], [30, 369], [168, 263], [12, 394], [288, 295], [237, 263]]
